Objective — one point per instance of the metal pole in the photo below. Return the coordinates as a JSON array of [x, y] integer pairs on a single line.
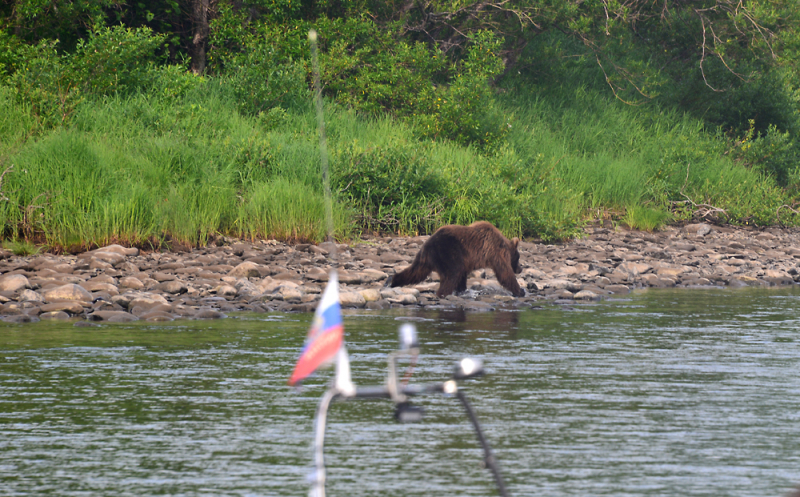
[[320, 420], [323, 147], [488, 457]]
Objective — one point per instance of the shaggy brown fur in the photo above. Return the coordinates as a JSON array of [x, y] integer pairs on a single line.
[[454, 251]]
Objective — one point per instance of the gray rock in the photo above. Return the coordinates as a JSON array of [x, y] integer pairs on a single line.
[[602, 281], [244, 288], [371, 294], [372, 275], [111, 258], [316, 274], [350, 278], [13, 283], [286, 276], [71, 307], [698, 230], [119, 249], [352, 299], [557, 284], [288, 293], [735, 246], [586, 295], [157, 316], [131, 282], [119, 316], [391, 258], [161, 277], [777, 277], [30, 296], [122, 318], [683, 247], [226, 291], [477, 306], [404, 299], [99, 286], [10, 309], [128, 267], [534, 273], [245, 270], [128, 299], [171, 266], [173, 287], [748, 280], [736, 283], [54, 315], [561, 294], [209, 314], [67, 292], [634, 269]]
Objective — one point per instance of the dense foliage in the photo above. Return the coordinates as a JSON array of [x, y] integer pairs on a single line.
[[185, 119]]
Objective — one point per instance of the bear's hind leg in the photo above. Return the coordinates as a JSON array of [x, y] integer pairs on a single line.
[[415, 273], [447, 286]]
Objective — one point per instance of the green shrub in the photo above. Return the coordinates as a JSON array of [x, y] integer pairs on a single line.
[[773, 152], [465, 110], [394, 188], [259, 83], [44, 80], [111, 61], [9, 49], [116, 59], [170, 81], [368, 68], [273, 118]]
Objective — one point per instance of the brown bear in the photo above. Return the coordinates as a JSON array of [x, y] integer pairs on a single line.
[[454, 251]]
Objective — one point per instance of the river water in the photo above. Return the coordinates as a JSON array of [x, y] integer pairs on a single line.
[[685, 392]]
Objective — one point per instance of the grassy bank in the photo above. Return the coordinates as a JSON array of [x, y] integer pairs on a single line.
[[105, 135], [151, 169]]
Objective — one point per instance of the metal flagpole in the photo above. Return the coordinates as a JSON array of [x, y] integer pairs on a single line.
[[323, 146]]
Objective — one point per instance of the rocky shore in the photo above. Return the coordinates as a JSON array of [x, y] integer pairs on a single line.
[[117, 284]]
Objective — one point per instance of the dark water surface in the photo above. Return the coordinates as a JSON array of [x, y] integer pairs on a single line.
[[665, 393]]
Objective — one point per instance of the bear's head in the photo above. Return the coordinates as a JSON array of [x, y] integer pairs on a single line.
[[515, 256]]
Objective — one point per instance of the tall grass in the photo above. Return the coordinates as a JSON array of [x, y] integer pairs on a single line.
[[613, 156], [288, 210], [145, 168], [142, 169]]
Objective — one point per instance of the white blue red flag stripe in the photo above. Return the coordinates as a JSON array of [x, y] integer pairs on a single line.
[[326, 335]]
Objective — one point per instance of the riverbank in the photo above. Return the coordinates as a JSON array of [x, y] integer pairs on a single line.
[[117, 284]]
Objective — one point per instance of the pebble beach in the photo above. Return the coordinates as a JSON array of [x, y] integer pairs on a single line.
[[119, 284]]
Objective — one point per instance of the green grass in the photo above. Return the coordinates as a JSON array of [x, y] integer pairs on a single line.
[[144, 169], [139, 169], [612, 156], [645, 219], [21, 247]]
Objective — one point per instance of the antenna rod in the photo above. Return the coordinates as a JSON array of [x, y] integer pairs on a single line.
[[323, 147]]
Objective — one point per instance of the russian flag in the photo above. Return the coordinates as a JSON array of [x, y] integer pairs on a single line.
[[326, 336]]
